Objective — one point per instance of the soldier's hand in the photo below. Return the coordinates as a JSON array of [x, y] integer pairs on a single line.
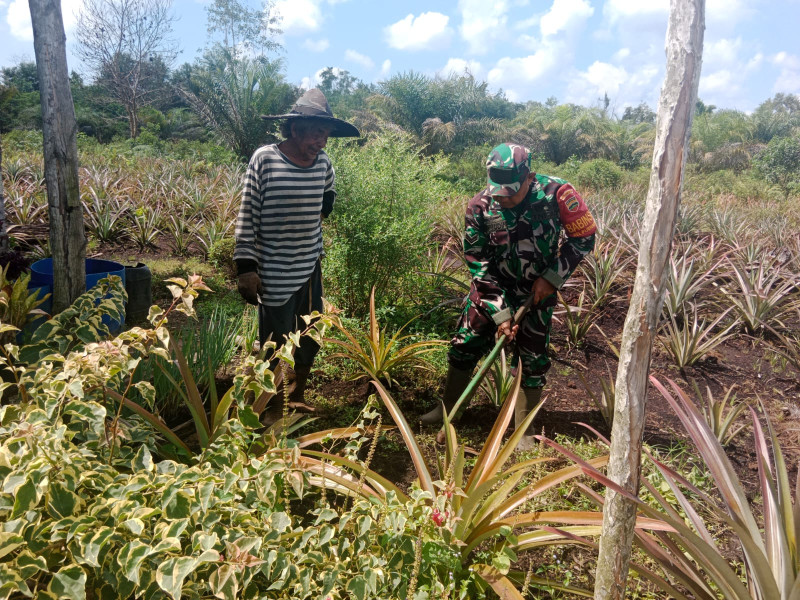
[[542, 289], [249, 285], [507, 329]]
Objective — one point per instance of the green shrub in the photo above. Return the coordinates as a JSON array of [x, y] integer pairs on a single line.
[[18, 305], [86, 321], [469, 170], [387, 193], [779, 163], [599, 173], [18, 141], [221, 256], [87, 511]]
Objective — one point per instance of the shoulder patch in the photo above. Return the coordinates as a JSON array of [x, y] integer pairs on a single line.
[[574, 213]]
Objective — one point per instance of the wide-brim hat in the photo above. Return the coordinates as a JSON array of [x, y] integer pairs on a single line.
[[314, 105]]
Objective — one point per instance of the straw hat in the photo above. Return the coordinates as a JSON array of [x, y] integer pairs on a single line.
[[313, 104]]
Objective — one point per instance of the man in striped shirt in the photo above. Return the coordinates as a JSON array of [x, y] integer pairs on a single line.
[[288, 189]]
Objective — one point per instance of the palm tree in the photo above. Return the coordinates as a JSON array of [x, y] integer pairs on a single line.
[[722, 140], [230, 94], [447, 114], [629, 142], [559, 132], [777, 117]]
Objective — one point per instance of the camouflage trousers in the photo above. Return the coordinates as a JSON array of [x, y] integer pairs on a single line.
[[475, 336]]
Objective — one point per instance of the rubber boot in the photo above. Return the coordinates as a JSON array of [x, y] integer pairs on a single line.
[[455, 384], [526, 402], [274, 410], [297, 390]]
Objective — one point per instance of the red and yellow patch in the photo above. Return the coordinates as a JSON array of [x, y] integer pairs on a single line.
[[571, 200], [574, 213]]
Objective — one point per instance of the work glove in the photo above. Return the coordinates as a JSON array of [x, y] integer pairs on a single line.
[[249, 286]]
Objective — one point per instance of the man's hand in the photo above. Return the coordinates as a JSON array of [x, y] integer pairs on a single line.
[[542, 289], [507, 330], [249, 285]]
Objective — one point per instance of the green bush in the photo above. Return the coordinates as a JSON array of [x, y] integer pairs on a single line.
[[19, 141], [469, 170], [598, 174], [221, 256], [779, 163], [380, 226], [87, 510]]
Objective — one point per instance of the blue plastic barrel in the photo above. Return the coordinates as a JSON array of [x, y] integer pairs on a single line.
[[96, 269]]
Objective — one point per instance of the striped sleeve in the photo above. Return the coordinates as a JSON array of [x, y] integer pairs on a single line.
[[248, 222], [330, 178]]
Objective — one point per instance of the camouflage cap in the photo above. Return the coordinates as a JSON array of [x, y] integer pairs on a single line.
[[508, 165]]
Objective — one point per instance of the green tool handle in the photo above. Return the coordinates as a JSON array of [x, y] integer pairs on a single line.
[[487, 364]]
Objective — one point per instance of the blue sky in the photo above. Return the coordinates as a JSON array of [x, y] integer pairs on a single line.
[[575, 50]]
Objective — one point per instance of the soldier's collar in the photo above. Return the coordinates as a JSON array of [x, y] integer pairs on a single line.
[[520, 208]]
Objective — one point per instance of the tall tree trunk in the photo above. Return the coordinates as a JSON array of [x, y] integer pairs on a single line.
[[67, 236], [684, 48], [3, 228]]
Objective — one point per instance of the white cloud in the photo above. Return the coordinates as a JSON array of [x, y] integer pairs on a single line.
[[361, 59], [418, 33], [721, 52], [788, 80], [617, 10], [726, 76], [726, 71], [457, 66], [786, 60], [637, 16], [299, 16], [517, 75], [722, 15], [565, 15], [316, 45], [621, 54], [755, 62], [718, 82], [527, 41], [386, 67], [19, 20], [623, 87], [479, 25], [18, 17], [634, 23], [606, 77]]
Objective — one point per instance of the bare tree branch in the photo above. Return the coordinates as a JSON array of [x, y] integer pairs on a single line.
[[126, 44]]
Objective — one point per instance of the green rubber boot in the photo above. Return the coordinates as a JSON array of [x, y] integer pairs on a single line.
[[455, 384], [526, 402]]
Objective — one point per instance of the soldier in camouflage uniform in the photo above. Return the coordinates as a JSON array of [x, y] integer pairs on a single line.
[[513, 248]]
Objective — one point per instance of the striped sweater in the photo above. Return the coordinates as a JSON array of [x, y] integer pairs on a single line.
[[279, 223]]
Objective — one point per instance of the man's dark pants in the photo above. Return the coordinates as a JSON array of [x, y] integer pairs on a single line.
[[279, 321]]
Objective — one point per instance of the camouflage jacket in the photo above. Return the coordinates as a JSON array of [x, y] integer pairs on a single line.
[[508, 249]]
